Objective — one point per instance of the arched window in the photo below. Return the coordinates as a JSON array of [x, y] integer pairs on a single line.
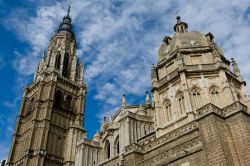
[[117, 146], [107, 150], [181, 102], [58, 60], [68, 102], [58, 99], [168, 108], [215, 96], [196, 98], [66, 65]]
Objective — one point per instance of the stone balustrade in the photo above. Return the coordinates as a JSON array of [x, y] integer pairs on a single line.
[[210, 108], [235, 107]]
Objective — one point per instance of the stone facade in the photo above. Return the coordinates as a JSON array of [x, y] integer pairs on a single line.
[[198, 115]]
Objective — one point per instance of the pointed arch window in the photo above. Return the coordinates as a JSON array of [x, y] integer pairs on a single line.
[[65, 71], [58, 99], [107, 150], [181, 102], [117, 146], [168, 108], [215, 96], [196, 98], [68, 102], [58, 60]]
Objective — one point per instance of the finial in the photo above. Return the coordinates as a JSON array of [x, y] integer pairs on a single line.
[[147, 98], [124, 103], [104, 120], [44, 55], [235, 66], [236, 69], [178, 18], [110, 118], [233, 61]]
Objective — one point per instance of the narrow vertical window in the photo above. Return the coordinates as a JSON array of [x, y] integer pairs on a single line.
[[58, 60], [196, 98], [66, 65], [58, 99], [107, 150], [117, 146], [168, 107], [68, 102], [181, 102], [215, 96]]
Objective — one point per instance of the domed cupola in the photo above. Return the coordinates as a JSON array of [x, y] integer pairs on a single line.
[[180, 27], [65, 25]]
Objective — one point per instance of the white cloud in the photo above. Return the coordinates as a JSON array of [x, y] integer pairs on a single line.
[[36, 31], [119, 39]]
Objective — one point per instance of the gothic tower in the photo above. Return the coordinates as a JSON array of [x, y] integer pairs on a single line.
[[51, 114]]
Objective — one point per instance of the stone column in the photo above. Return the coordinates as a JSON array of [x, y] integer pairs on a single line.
[[90, 156], [127, 136], [185, 89], [157, 110], [206, 99], [139, 129], [226, 92], [81, 156], [73, 68], [85, 163]]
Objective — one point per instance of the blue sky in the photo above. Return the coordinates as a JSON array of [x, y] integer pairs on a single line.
[[117, 41]]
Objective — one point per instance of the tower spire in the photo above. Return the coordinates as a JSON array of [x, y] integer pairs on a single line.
[[69, 8], [66, 25]]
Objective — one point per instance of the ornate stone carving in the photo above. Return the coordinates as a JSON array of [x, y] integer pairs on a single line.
[[208, 109], [134, 147], [172, 135], [174, 153], [235, 107]]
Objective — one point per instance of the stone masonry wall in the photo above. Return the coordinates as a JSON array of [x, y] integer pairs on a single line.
[[218, 140]]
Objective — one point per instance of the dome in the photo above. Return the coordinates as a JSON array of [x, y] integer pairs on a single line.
[[182, 40]]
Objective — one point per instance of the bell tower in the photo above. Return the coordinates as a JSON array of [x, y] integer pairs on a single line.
[[51, 115]]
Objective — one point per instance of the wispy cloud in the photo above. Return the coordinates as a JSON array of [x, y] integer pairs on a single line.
[[118, 40]]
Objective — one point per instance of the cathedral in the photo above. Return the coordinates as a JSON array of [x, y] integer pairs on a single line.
[[198, 115]]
